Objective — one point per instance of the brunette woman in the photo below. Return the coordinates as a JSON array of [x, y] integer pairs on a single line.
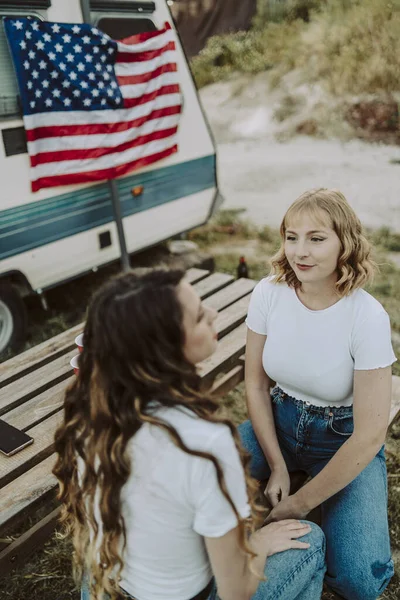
[[153, 479]]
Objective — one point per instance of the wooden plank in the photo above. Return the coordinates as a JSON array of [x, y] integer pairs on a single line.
[[194, 275], [232, 316], [12, 467], [227, 382], [27, 543], [22, 495], [39, 408], [35, 383], [229, 295], [228, 351], [38, 356], [211, 284]]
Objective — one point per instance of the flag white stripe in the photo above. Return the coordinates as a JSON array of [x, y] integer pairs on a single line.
[[145, 66], [153, 43], [138, 90], [102, 140], [98, 117], [80, 166]]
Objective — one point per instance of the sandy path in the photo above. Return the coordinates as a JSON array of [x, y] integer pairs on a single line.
[[265, 176]]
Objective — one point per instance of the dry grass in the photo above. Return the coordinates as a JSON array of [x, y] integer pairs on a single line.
[[353, 47], [350, 47], [46, 576]]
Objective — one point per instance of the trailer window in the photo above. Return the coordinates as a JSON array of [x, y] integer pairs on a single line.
[[9, 104], [119, 28]]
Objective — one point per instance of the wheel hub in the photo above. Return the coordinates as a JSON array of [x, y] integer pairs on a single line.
[[6, 325]]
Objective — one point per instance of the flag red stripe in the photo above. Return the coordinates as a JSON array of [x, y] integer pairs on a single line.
[[126, 57], [93, 153], [102, 128], [145, 77], [162, 91], [138, 38], [112, 173]]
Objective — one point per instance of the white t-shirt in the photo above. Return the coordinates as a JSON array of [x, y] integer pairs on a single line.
[[311, 354], [172, 500]]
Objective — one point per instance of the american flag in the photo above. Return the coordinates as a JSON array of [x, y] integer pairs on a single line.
[[93, 108]]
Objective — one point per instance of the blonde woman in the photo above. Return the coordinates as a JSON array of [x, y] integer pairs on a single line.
[[152, 480], [325, 344]]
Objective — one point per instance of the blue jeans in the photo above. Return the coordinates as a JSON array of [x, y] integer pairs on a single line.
[[355, 520], [291, 575], [85, 593], [294, 574]]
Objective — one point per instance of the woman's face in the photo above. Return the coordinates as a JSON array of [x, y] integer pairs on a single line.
[[312, 249], [198, 324]]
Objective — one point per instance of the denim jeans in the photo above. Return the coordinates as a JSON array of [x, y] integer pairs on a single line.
[[294, 574], [355, 520], [85, 594], [291, 575]]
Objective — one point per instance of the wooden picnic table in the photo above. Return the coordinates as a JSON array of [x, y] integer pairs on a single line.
[[32, 387]]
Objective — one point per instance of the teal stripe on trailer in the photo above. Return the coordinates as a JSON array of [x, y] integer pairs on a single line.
[[39, 223]]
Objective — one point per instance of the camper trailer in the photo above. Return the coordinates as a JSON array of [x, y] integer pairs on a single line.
[[56, 234]]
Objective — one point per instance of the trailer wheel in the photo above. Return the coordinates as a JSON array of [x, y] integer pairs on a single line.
[[13, 318]]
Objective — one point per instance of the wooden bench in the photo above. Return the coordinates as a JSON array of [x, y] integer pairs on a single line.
[[32, 387]]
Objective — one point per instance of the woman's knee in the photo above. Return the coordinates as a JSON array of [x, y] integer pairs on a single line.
[[316, 539], [367, 584]]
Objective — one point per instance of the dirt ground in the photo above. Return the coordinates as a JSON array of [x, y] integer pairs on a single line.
[[262, 166]]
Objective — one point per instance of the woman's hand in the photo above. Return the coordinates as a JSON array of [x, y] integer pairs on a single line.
[[288, 508], [278, 485], [284, 535]]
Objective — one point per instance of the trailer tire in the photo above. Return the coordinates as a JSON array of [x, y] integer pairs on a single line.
[[13, 319]]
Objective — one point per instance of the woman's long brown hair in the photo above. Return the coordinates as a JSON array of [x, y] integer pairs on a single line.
[[133, 355]]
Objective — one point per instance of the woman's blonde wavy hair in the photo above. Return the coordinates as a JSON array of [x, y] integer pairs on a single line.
[[355, 266], [133, 355]]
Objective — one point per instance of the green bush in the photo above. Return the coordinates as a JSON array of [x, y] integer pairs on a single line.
[[281, 10], [251, 51], [224, 224], [353, 47], [386, 239], [350, 46], [267, 234]]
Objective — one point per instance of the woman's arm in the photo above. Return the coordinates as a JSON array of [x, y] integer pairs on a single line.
[[372, 400], [230, 565], [259, 407]]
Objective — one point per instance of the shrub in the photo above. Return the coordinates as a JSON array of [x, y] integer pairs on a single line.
[[350, 46], [386, 239]]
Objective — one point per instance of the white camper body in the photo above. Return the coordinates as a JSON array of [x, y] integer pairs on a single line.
[[53, 235]]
